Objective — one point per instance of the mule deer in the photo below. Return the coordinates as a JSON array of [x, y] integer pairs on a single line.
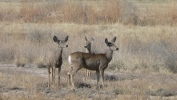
[[97, 62], [55, 59], [88, 45]]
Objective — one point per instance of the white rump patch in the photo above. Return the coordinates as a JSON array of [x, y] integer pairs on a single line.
[[69, 59]]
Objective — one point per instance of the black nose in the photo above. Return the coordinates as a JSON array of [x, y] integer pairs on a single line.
[[66, 45], [117, 48]]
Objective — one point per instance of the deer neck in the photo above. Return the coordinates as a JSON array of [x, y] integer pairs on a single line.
[[88, 50], [58, 57], [109, 54], [58, 54]]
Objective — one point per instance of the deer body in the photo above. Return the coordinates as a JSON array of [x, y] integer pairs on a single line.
[[89, 61], [97, 62], [55, 59]]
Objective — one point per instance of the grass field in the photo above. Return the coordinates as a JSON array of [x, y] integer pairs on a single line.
[[144, 68]]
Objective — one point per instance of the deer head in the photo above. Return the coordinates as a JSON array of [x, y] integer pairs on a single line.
[[61, 43], [88, 43], [111, 44]]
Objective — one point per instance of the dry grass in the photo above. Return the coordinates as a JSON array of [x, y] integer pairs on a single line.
[[162, 13], [152, 49], [91, 12], [20, 84]]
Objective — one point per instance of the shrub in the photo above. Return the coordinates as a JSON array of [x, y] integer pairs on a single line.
[[117, 91], [171, 62]]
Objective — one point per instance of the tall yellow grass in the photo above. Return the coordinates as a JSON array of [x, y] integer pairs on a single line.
[[93, 12]]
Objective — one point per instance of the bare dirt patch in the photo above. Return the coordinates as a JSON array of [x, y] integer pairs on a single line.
[[30, 82]]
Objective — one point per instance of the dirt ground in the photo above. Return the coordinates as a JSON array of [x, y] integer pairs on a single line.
[[30, 82]]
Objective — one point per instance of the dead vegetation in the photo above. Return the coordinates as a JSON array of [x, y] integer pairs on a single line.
[[141, 48], [30, 82], [146, 52]]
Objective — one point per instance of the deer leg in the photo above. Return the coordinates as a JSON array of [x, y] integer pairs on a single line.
[[102, 77], [69, 76], [53, 75], [59, 69], [68, 80], [72, 73], [89, 74], [48, 76], [86, 74], [98, 77]]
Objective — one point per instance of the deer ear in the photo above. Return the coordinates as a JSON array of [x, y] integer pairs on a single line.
[[106, 41], [113, 40], [55, 39], [66, 39], [86, 39], [92, 39]]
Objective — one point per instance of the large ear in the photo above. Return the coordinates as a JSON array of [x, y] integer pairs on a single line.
[[86, 39], [66, 39], [106, 41], [113, 40], [92, 39], [55, 39]]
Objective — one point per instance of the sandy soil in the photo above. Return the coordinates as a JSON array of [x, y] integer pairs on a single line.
[[128, 80], [28, 68]]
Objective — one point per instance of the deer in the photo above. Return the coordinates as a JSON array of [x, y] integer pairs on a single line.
[[95, 62], [55, 59], [88, 45]]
